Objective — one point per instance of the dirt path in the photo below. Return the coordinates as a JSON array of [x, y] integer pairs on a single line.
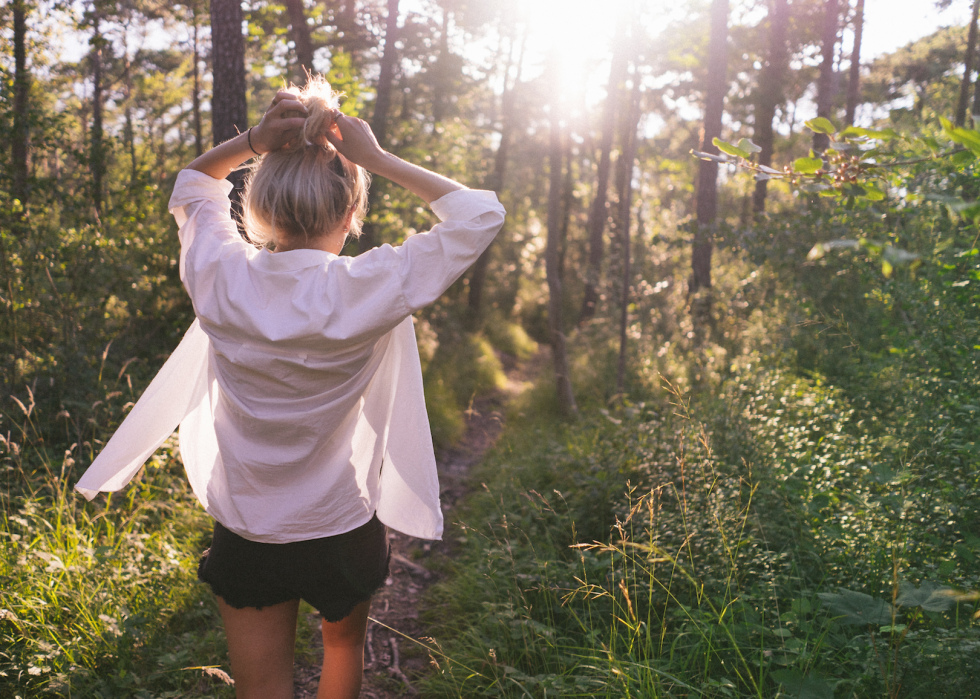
[[392, 662]]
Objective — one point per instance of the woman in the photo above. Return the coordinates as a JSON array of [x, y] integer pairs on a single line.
[[298, 388]]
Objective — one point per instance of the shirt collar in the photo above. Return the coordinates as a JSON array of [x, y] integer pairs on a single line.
[[291, 260]]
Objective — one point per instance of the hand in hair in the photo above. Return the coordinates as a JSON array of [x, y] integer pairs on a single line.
[[354, 140], [277, 129], [281, 123]]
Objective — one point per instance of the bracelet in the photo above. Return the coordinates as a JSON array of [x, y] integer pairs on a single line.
[[249, 136]]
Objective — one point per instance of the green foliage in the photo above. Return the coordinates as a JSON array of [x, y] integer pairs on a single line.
[[509, 337], [102, 600]]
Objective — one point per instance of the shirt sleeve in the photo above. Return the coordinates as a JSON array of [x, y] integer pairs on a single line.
[[427, 264], [201, 206]]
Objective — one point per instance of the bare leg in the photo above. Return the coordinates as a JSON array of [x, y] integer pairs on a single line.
[[343, 655], [261, 644]]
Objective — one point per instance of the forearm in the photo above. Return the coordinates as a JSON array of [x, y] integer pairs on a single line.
[[423, 183], [222, 159]]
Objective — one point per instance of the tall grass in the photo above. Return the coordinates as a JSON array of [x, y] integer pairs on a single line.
[[101, 600], [701, 579]]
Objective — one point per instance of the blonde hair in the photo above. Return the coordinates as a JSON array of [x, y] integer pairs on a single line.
[[308, 189]]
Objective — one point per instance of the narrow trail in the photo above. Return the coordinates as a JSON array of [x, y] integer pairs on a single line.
[[392, 663]]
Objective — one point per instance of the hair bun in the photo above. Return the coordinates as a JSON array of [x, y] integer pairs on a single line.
[[321, 102]]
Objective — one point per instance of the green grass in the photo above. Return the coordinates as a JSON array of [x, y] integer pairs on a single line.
[[102, 600]]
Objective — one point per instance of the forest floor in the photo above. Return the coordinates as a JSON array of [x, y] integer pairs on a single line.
[[391, 662]]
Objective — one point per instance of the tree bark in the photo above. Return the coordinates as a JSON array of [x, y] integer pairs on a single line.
[[825, 82], [229, 106], [299, 32], [563, 384], [196, 99], [599, 211], [625, 206], [379, 119], [20, 142], [971, 49], [854, 79], [97, 164], [129, 131], [442, 72], [771, 93], [707, 192]]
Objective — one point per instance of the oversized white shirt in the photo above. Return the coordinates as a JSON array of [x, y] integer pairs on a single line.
[[298, 389]]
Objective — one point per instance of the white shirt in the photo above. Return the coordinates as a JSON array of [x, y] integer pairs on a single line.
[[298, 389]]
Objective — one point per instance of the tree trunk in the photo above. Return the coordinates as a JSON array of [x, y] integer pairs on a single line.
[[625, 205], [599, 211], [971, 49], [707, 193], [20, 141], [563, 383], [854, 79], [379, 119], [229, 106], [567, 202], [299, 32], [196, 98], [97, 164], [129, 131], [478, 275], [442, 72], [771, 93], [825, 82]]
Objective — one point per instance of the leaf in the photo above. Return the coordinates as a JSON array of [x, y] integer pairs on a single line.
[[857, 132], [931, 596], [747, 145], [838, 145], [765, 177], [886, 268], [856, 608], [871, 193], [709, 156], [963, 157], [807, 166], [968, 138], [770, 171], [821, 125], [729, 149]]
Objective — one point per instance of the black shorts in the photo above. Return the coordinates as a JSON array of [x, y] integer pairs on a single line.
[[334, 574]]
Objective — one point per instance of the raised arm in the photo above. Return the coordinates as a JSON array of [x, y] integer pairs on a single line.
[[275, 131], [354, 139]]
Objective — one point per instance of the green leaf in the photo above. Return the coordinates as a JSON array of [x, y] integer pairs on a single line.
[[886, 268], [838, 145], [969, 138], [709, 156], [821, 125], [747, 145], [852, 132], [729, 149], [931, 596], [856, 608], [963, 157], [872, 193], [807, 166]]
